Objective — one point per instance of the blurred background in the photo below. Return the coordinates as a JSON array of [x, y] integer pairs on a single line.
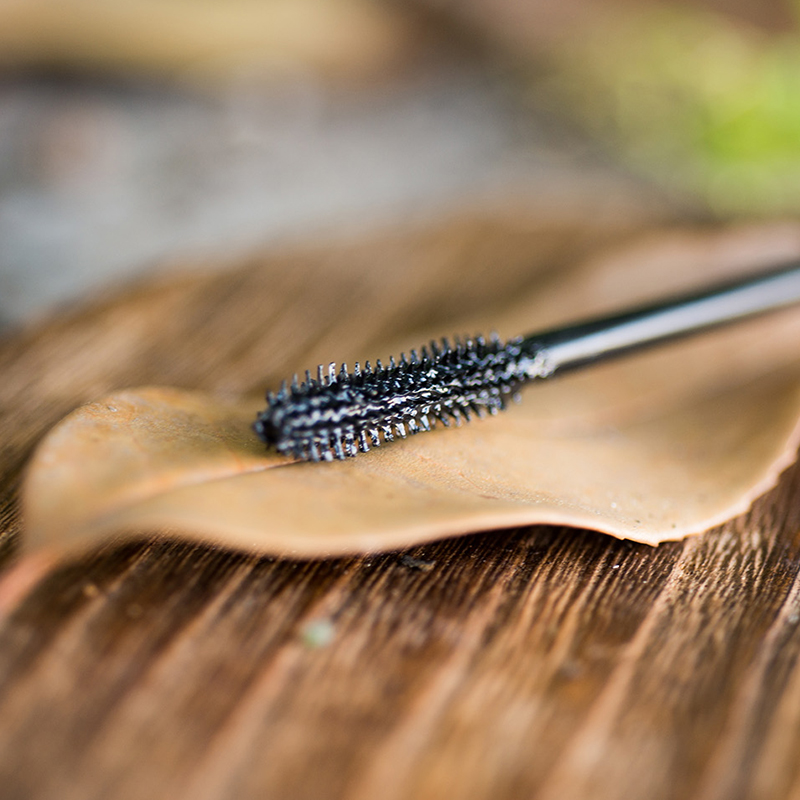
[[139, 134]]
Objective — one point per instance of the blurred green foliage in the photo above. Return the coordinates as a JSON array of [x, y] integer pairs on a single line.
[[697, 101]]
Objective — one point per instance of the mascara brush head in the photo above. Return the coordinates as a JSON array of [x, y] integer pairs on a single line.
[[340, 413]]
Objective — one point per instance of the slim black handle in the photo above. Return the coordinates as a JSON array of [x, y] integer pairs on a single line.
[[606, 337]]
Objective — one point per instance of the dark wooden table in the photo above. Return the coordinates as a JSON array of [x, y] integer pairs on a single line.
[[542, 662]]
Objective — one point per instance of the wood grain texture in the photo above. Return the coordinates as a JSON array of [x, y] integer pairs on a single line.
[[511, 664]]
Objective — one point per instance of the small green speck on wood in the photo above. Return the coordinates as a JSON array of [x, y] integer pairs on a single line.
[[317, 633]]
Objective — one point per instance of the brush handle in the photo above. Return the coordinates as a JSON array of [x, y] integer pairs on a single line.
[[607, 337]]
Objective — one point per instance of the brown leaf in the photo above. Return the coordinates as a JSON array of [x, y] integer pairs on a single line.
[[650, 448]]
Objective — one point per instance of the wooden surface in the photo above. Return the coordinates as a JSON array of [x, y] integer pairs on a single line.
[[543, 662]]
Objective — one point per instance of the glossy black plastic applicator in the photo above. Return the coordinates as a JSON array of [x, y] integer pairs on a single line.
[[337, 414]]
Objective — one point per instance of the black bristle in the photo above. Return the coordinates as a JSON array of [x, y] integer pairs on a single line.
[[337, 446], [338, 414]]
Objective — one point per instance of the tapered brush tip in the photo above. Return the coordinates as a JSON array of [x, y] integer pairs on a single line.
[[340, 414]]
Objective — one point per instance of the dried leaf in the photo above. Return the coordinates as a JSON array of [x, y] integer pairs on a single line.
[[650, 448]]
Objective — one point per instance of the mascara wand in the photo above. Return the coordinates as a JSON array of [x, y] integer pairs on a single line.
[[336, 415]]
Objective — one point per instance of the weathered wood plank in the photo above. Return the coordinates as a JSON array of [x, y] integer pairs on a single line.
[[530, 663]]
